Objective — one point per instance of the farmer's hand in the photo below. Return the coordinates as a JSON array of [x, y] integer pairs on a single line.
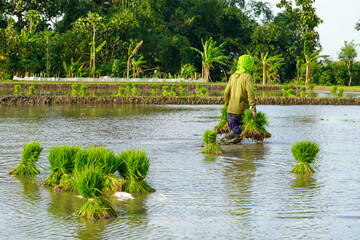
[[254, 114]]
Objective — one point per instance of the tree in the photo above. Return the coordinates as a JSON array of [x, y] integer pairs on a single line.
[[309, 58], [212, 54], [270, 65], [348, 54]]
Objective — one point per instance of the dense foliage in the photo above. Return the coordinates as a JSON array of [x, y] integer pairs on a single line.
[[157, 37]]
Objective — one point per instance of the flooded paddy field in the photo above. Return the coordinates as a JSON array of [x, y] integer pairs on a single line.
[[248, 193]]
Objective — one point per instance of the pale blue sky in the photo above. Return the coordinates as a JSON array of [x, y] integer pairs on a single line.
[[340, 17]]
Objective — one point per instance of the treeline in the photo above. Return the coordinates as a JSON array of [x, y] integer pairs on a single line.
[[142, 38]]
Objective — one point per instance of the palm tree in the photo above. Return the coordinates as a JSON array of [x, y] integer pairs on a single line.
[[210, 56], [309, 58], [270, 65], [348, 54]]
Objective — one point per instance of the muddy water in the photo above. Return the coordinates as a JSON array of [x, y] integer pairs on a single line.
[[248, 193]]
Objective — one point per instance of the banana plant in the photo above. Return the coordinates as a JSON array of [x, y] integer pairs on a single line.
[[309, 58], [270, 65]]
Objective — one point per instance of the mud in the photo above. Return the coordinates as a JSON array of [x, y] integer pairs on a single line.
[[24, 100]]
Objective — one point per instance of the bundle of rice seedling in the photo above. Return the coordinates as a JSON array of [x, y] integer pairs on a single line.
[[31, 90], [254, 127], [90, 182], [29, 158], [75, 89], [83, 89], [305, 153], [303, 91], [135, 89], [104, 159], [165, 92], [222, 127], [17, 89], [172, 91], [121, 91], [62, 162], [154, 88], [134, 166], [203, 91], [211, 147]]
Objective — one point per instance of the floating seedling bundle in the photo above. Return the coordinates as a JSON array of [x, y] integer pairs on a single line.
[[62, 162], [305, 153], [134, 166], [29, 158], [253, 128], [222, 127], [211, 147], [90, 182]]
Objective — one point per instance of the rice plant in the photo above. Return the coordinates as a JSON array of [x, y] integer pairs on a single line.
[[291, 92], [154, 88], [62, 162], [303, 91], [135, 89], [341, 91], [305, 154], [29, 158], [75, 89], [311, 87], [222, 127], [90, 182], [83, 89], [254, 128], [173, 91], [17, 89], [334, 90], [165, 92], [203, 91], [128, 88], [134, 165], [104, 159], [181, 88], [197, 89], [211, 147], [31, 90], [121, 91]]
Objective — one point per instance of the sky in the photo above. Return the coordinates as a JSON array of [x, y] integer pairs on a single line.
[[340, 18]]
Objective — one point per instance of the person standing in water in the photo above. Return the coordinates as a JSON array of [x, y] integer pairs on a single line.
[[239, 95]]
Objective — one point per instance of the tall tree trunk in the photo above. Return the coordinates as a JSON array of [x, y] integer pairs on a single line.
[[264, 75], [94, 51], [308, 74], [206, 75], [47, 57], [349, 71], [128, 68]]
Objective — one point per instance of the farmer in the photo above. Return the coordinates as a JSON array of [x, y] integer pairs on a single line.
[[239, 95]]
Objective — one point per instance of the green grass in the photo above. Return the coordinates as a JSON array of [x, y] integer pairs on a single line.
[[29, 158], [305, 153], [134, 166], [254, 128], [211, 147], [90, 182]]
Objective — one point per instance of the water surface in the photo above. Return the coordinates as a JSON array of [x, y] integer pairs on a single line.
[[248, 193]]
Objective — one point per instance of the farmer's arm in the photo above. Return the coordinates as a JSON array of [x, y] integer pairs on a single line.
[[227, 93], [250, 93]]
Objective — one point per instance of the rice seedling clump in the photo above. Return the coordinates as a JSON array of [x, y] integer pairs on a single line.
[[29, 158], [211, 147], [90, 182], [254, 128], [305, 153], [134, 166], [222, 127]]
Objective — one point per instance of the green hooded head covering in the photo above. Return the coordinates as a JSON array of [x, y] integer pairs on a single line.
[[245, 64]]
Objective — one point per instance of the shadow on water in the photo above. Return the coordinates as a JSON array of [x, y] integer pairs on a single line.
[[30, 188]]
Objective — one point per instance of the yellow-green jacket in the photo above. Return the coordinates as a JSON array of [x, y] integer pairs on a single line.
[[239, 93]]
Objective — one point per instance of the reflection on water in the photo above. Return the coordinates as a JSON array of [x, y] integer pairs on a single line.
[[248, 193]]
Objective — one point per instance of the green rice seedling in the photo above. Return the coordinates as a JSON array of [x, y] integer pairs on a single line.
[[134, 165], [154, 88], [211, 147], [255, 88], [29, 158], [173, 91], [311, 87], [17, 89], [121, 91], [254, 128], [222, 127], [181, 88], [62, 162], [305, 154], [135, 89], [285, 87], [334, 90], [128, 88], [203, 91], [291, 92], [31, 90], [105, 160], [303, 91], [165, 92], [83, 90], [197, 89], [341, 91], [284, 93], [90, 182], [75, 89]]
